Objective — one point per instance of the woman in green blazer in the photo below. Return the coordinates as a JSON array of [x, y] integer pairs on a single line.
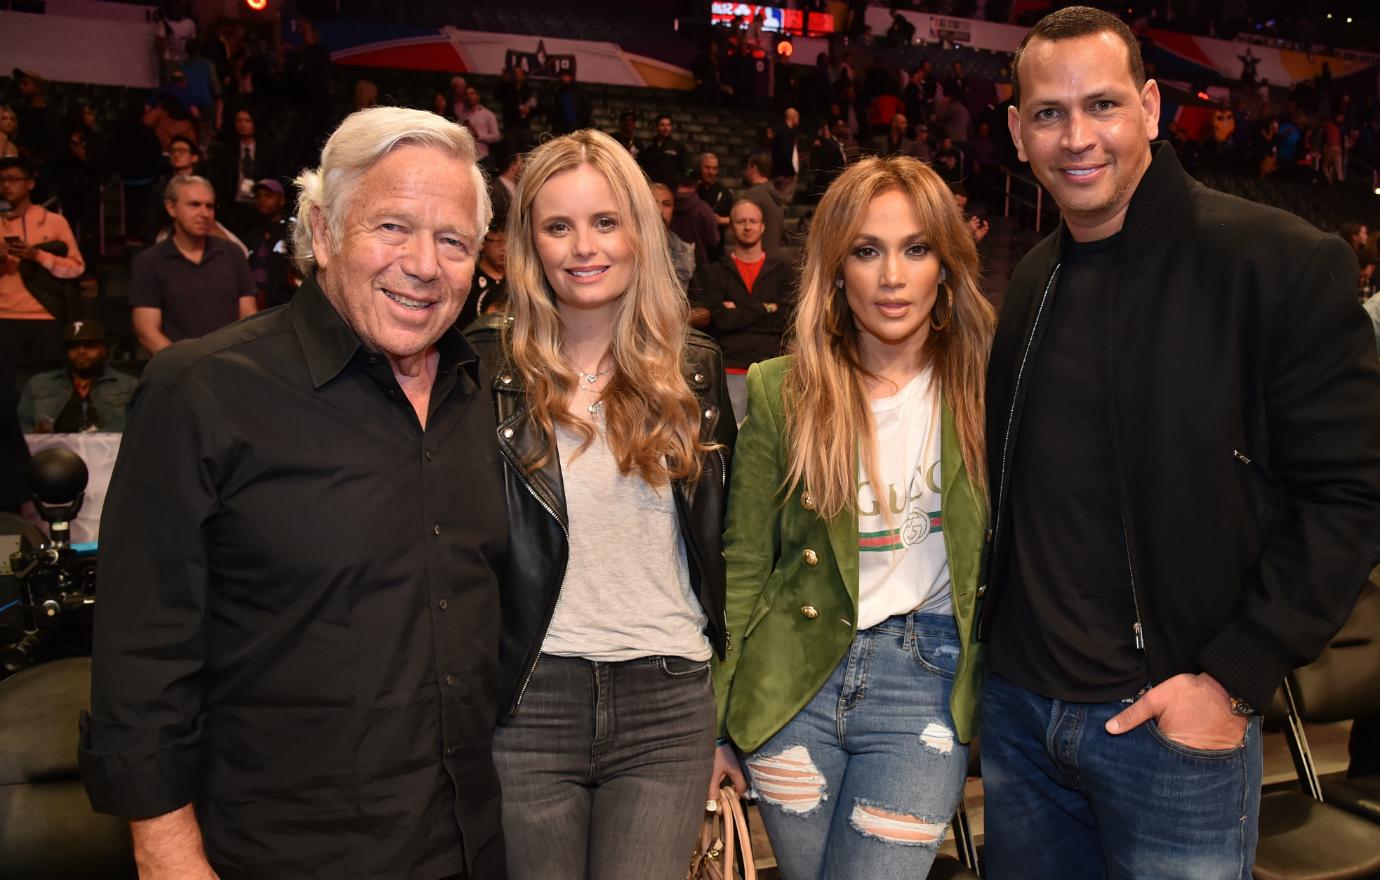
[[855, 527]]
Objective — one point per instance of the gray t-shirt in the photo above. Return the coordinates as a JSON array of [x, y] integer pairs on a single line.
[[627, 587]]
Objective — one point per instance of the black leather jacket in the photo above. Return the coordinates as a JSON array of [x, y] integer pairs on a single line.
[[538, 541]]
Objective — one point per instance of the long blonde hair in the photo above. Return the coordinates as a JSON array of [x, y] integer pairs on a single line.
[[826, 403], [651, 416]]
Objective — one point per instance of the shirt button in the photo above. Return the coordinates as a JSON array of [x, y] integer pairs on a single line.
[[450, 750], [442, 605], [506, 379], [811, 557], [809, 612], [709, 412], [373, 359], [436, 529], [699, 377], [807, 501], [450, 681]]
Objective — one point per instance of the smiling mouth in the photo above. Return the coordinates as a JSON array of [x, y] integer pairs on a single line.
[[405, 302], [588, 273], [1082, 172]]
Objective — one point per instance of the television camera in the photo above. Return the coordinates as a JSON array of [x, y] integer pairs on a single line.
[[47, 586]]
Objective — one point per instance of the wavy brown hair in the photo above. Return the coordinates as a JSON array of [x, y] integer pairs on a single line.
[[651, 415], [828, 416]]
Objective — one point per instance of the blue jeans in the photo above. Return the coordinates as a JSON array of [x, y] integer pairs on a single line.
[[605, 768], [863, 781], [1066, 799]]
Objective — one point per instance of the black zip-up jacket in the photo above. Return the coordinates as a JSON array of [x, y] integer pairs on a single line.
[[1245, 415], [538, 542]]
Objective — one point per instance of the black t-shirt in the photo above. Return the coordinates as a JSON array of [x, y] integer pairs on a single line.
[[1064, 625]]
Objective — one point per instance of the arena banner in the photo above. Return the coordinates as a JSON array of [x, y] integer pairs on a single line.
[[452, 50], [1187, 55], [82, 50]]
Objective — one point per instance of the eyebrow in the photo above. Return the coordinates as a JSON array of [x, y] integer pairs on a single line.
[[862, 238], [612, 212], [1099, 95]]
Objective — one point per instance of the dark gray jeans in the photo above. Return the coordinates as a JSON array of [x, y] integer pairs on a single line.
[[605, 769]]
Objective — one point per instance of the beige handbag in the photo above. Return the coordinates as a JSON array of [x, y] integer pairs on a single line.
[[724, 851]]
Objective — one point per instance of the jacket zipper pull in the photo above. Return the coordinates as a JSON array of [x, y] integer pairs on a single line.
[[1140, 636]]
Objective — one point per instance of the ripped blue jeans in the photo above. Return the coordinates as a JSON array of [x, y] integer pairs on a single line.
[[863, 781]]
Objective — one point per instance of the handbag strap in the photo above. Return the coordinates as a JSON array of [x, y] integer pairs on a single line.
[[735, 818]]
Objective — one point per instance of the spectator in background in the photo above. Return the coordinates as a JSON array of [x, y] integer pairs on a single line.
[[748, 295], [627, 134], [482, 123], [955, 121], [709, 86], [830, 156], [1333, 168], [516, 100], [664, 158], [456, 100], [882, 107], [712, 192], [902, 31], [501, 188], [694, 221], [919, 96], [192, 282], [570, 108], [176, 33], [86, 395], [203, 85], [9, 131], [77, 182], [894, 142], [489, 288], [38, 125], [768, 199], [183, 155], [270, 246], [1355, 234], [237, 167], [366, 95], [682, 252], [441, 105], [37, 254], [169, 119], [956, 83], [785, 152], [948, 161]]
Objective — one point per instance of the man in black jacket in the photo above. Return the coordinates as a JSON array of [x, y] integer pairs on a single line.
[[749, 294], [1184, 449], [663, 157]]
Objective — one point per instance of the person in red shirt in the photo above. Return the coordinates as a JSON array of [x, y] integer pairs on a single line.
[[749, 294]]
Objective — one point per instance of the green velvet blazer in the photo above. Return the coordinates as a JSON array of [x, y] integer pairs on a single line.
[[792, 603]]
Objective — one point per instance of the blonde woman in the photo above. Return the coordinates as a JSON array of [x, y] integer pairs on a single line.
[[615, 430], [854, 536]]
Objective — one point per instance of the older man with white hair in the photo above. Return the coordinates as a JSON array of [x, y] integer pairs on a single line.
[[294, 665]]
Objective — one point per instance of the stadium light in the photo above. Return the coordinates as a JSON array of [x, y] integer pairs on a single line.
[[785, 48], [256, 5]]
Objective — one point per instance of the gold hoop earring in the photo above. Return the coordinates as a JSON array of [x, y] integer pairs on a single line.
[[947, 296]]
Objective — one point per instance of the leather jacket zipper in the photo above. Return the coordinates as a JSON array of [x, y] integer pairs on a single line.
[[1010, 421], [527, 679], [1137, 627]]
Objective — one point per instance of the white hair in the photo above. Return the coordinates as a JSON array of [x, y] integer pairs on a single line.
[[180, 182], [362, 139]]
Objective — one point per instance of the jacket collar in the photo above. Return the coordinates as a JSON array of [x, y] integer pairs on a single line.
[[1161, 194], [329, 343]]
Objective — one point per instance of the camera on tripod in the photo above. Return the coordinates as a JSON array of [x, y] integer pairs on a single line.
[[48, 593]]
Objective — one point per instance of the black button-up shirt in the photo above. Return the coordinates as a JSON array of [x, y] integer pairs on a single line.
[[297, 624]]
